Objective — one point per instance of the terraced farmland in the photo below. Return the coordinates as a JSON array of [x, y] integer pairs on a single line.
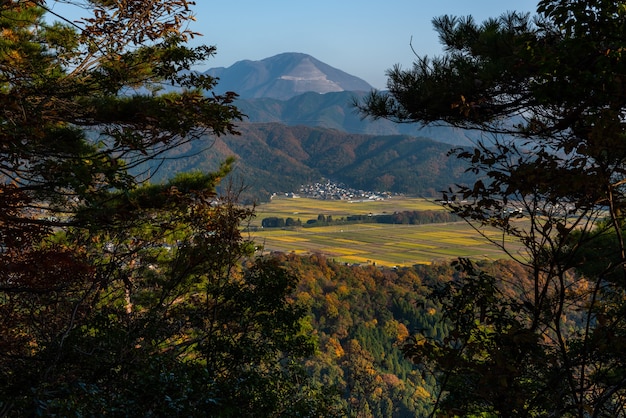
[[382, 244]]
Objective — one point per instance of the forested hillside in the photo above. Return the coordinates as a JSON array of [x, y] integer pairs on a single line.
[[271, 158], [363, 315]]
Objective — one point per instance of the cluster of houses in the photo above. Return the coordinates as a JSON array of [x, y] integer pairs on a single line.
[[336, 191]]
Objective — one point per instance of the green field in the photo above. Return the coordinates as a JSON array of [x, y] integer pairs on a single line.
[[383, 244]]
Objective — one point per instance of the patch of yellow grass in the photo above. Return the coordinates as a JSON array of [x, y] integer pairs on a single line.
[[358, 259], [461, 241], [348, 241], [344, 250], [284, 238]]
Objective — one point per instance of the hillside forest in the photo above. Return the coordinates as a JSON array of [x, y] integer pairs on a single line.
[[127, 292], [304, 155]]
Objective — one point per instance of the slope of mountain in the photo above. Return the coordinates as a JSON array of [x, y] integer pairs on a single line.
[[284, 76], [335, 110], [297, 89], [272, 157]]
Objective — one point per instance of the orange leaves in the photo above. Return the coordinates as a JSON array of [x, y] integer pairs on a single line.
[[334, 347], [466, 108], [396, 330], [8, 35], [117, 25]]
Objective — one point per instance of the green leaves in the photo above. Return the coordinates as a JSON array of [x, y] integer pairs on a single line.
[[547, 93], [119, 296]]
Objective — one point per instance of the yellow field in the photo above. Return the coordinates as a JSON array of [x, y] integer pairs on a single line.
[[384, 244], [305, 209]]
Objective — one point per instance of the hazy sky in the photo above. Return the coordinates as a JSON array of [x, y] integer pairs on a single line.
[[361, 37]]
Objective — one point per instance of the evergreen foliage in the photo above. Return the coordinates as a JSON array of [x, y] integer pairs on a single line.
[[547, 93], [405, 217], [121, 297], [362, 316]]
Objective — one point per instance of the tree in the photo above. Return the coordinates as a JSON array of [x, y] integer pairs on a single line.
[[118, 296], [547, 94], [273, 222]]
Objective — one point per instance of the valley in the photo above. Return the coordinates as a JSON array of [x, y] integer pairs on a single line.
[[371, 243]]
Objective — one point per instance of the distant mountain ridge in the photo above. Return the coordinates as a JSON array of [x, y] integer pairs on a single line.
[[335, 110], [272, 157], [284, 76]]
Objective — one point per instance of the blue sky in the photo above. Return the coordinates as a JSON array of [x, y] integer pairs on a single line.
[[361, 37]]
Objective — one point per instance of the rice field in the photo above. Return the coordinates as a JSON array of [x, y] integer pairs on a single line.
[[304, 209], [383, 244]]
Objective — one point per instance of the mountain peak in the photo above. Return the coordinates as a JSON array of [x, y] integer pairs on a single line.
[[284, 76]]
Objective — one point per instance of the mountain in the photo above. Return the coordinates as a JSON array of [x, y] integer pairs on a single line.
[[273, 157], [284, 76], [297, 89], [302, 126], [335, 110]]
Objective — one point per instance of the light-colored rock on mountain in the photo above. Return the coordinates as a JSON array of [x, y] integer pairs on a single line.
[[284, 76]]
